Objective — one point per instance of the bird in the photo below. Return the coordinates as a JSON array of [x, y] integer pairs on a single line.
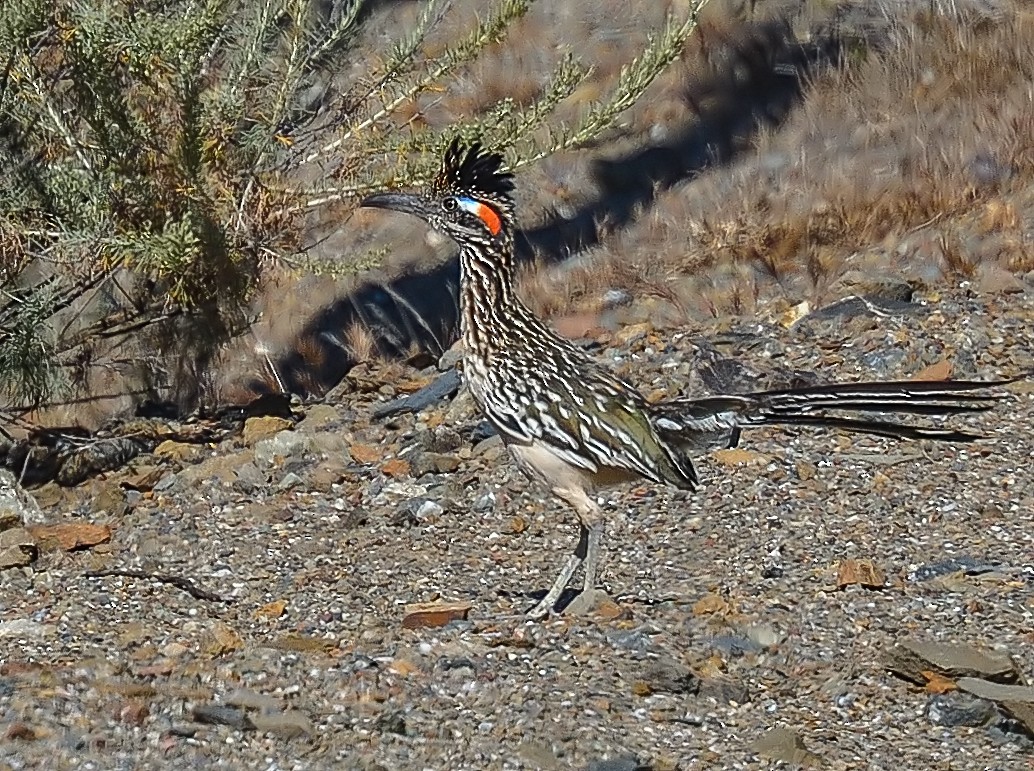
[[573, 425]]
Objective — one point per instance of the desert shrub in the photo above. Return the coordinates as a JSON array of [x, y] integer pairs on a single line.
[[157, 157]]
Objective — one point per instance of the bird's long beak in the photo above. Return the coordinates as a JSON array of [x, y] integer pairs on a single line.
[[403, 202]]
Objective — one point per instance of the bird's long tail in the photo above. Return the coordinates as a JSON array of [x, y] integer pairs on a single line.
[[713, 421]]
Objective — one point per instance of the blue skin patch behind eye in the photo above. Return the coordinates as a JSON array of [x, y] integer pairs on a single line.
[[469, 204]]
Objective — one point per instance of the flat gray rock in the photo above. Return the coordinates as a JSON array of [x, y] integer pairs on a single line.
[[910, 658]]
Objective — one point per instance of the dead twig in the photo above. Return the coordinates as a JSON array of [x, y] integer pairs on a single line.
[[165, 578]]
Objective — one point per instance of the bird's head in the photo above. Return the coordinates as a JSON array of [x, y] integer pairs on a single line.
[[469, 199]]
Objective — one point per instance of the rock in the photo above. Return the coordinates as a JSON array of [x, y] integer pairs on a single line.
[[287, 725], [630, 639], [144, 478], [596, 602], [26, 629], [20, 732], [433, 614], [220, 714], [247, 699], [331, 444], [736, 456], [434, 463], [538, 756], [17, 548], [319, 417], [971, 566], [289, 482], [484, 502], [112, 499], [442, 439], [940, 370], [391, 722], [17, 506], [735, 645], [786, 746], [860, 572], [70, 535], [959, 709], [992, 279], [183, 452], [266, 427], [417, 511], [248, 478], [286, 444], [1016, 700], [667, 676], [133, 712], [442, 387], [911, 658], [451, 358], [763, 635], [873, 287], [617, 764], [723, 689]]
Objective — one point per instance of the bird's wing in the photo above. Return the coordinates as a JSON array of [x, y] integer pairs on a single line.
[[599, 423]]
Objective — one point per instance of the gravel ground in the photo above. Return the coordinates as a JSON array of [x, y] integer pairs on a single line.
[[725, 619]]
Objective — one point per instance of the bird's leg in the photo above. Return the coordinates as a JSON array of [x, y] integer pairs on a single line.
[[545, 605], [591, 536]]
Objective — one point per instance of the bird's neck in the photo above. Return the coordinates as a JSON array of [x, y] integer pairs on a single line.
[[489, 306]]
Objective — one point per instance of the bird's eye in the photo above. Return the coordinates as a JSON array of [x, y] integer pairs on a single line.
[[450, 204]]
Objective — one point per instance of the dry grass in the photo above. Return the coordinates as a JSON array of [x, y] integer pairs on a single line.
[[914, 156], [920, 153]]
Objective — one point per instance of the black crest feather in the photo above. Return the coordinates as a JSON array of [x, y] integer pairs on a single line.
[[474, 171]]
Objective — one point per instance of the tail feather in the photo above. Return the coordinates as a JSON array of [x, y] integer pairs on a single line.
[[880, 428], [698, 425]]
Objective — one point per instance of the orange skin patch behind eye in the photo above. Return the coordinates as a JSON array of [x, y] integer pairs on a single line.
[[485, 213], [490, 218]]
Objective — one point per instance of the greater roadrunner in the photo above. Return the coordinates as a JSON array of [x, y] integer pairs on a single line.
[[574, 425]]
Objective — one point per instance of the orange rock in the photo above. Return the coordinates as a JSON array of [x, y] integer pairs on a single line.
[[69, 536], [431, 614], [861, 572]]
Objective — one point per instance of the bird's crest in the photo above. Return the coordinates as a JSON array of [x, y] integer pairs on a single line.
[[475, 172]]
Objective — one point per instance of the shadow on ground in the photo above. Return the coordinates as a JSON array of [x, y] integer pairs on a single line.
[[758, 82]]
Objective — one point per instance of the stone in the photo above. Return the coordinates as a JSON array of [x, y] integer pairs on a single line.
[[16, 505], [617, 764], [433, 463], [23, 628], [668, 676], [786, 746], [183, 452], [970, 566], [287, 725], [434, 614], [861, 572], [1016, 700], [70, 535], [959, 709], [112, 499], [17, 548], [992, 279], [723, 689], [247, 699], [319, 417], [442, 387], [910, 658], [266, 427], [220, 714], [595, 602], [286, 444]]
